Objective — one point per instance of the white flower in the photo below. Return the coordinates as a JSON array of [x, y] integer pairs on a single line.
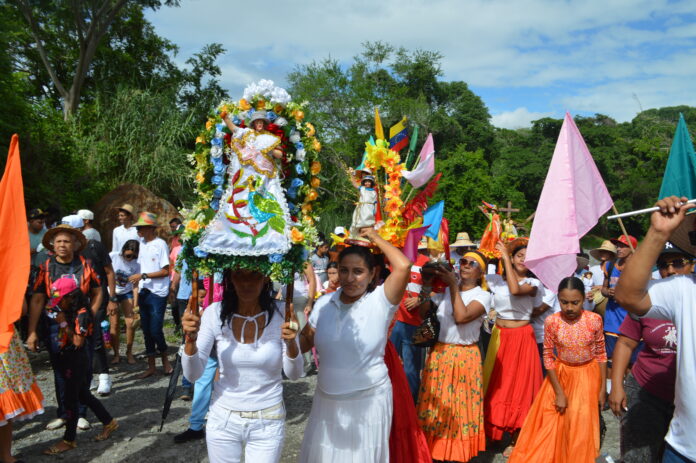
[[281, 121], [300, 154], [295, 137], [215, 151]]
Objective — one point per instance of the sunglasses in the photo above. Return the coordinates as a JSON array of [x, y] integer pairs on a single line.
[[676, 264], [469, 263], [130, 256]]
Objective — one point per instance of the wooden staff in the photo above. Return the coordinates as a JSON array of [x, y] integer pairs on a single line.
[[289, 293], [193, 300], [623, 228]]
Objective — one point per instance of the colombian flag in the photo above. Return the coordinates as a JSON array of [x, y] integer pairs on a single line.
[[398, 135]]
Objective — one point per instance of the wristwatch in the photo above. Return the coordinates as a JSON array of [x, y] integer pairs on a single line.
[[143, 276], [113, 298]]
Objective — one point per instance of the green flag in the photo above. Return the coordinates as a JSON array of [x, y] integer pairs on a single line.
[[412, 148], [362, 162], [680, 174]]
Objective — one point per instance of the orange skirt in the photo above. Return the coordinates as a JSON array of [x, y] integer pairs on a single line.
[[573, 437], [20, 396], [514, 382], [450, 402]]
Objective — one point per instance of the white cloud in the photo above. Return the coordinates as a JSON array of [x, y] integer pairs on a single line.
[[590, 45], [519, 118]]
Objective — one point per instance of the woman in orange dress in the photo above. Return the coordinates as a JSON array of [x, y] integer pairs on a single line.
[[563, 423]]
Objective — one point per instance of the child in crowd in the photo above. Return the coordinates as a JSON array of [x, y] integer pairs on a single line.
[[563, 423], [70, 309], [332, 284]]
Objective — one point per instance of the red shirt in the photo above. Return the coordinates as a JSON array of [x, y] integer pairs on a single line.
[[413, 289]]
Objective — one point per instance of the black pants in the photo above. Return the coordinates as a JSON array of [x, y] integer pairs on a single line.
[[74, 366], [101, 364]]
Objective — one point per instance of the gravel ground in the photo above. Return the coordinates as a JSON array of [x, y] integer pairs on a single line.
[[137, 405]]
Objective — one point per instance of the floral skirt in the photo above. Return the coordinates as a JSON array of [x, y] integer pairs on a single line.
[[515, 379], [573, 437], [20, 396], [450, 402]]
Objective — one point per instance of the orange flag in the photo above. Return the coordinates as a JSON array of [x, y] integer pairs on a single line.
[[15, 258]]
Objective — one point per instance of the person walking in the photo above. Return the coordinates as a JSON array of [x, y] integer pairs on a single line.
[[563, 424], [153, 282], [126, 231], [125, 265], [351, 414], [450, 403], [253, 344]]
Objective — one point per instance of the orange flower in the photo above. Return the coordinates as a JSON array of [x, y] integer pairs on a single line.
[[200, 178], [315, 168], [315, 182], [393, 205], [312, 195], [299, 114], [278, 108], [392, 190], [200, 140], [296, 235], [310, 129], [208, 124], [193, 225], [261, 104], [244, 105], [394, 177], [316, 145], [306, 208]]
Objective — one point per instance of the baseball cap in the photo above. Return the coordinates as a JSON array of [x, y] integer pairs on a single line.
[[85, 214], [622, 239], [339, 231], [74, 221], [672, 249], [61, 288], [36, 214]]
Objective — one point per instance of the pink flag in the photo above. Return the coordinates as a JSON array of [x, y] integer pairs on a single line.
[[425, 167], [572, 201], [413, 237]]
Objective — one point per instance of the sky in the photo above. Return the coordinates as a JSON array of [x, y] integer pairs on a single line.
[[526, 59]]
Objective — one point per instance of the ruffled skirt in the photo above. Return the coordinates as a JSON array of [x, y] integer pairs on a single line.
[[349, 428], [20, 396]]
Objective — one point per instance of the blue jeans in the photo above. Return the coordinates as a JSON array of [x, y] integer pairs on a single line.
[[410, 354], [201, 395], [152, 309], [672, 456]]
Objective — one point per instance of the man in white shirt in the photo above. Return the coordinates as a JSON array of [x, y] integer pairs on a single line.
[[673, 299], [126, 231], [154, 289]]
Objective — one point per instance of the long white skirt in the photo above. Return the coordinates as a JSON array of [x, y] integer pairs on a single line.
[[349, 428]]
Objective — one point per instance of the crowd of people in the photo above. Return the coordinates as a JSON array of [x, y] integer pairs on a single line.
[[431, 360]]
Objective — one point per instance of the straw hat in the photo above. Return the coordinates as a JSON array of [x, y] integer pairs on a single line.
[[516, 244], [50, 235], [684, 237], [462, 240], [128, 208], [606, 246], [146, 219]]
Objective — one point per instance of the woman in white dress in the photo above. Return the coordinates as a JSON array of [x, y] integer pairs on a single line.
[[351, 413], [253, 344]]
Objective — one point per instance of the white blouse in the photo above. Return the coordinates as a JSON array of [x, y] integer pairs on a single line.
[[464, 333], [350, 341], [250, 378], [509, 307]]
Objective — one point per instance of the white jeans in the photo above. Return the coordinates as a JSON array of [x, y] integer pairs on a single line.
[[259, 435]]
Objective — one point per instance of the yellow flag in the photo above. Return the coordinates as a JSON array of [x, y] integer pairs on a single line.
[[379, 131]]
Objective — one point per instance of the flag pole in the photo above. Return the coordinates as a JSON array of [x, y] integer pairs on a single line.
[[641, 211], [623, 228]]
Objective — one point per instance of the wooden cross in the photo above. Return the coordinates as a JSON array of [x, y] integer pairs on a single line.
[[508, 210]]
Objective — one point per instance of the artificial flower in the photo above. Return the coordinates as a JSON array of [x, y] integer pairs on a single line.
[[392, 189], [298, 114], [200, 177], [200, 140], [261, 104], [310, 129], [244, 105], [312, 195], [316, 145], [306, 208], [208, 124], [296, 235], [315, 168], [193, 225], [315, 182], [278, 108]]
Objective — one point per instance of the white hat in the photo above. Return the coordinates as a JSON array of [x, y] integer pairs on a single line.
[[74, 221], [86, 214], [339, 231]]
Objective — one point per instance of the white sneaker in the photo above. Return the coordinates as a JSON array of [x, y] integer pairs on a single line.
[[55, 424], [104, 384], [83, 424]]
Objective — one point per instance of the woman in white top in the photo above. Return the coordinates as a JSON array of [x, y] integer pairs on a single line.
[[450, 400], [512, 373], [351, 413], [125, 265], [253, 344]]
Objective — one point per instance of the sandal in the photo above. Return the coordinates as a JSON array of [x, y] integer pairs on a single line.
[[55, 450], [107, 431]]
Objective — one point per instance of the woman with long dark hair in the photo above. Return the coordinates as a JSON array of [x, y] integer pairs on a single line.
[[351, 413], [253, 344], [125, 265]]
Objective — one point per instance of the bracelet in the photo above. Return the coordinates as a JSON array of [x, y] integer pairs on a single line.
[[190, 337], [113, 298]]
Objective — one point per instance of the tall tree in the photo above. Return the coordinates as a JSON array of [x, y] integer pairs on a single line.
[[84, 23]]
